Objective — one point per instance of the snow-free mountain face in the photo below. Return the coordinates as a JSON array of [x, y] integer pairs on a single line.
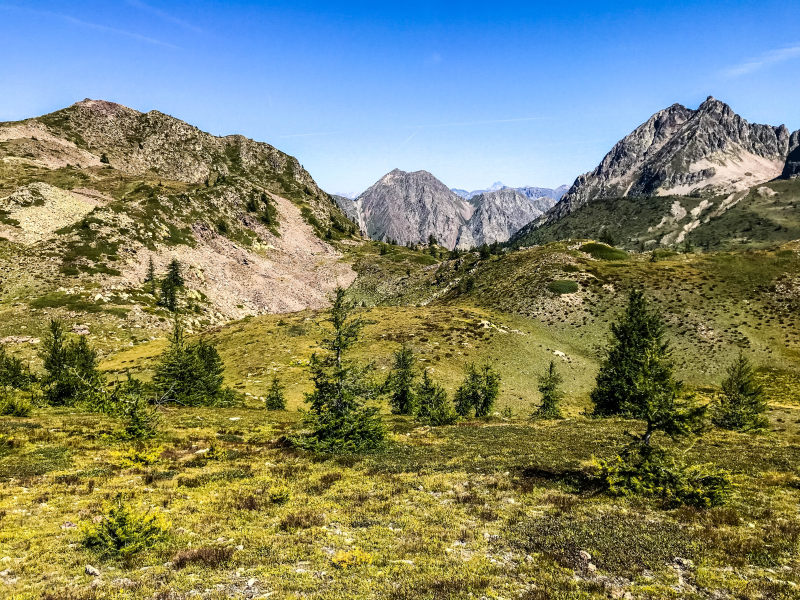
[[528, 190], [90, 194], [499, 214], [680, 151], [412, 207]]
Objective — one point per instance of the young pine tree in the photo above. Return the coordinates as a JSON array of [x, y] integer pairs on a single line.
[[171, 285], [150, 278], [742, 404], [400, 382], [550, 389], [71, 373], [339, 419], [639, 330], [275, 400], [189, 373], [433, 407], [478, 392]]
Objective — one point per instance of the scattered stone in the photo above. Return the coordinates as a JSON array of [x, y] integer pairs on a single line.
[[93, 571]]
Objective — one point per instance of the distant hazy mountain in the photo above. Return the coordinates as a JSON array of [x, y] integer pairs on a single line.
[[529, 191], [499, 214], [410, 207]]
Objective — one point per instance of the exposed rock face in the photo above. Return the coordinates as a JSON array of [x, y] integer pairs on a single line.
[[410, 207], [792, 166], [538, 192], [500, 214], [679, 151]]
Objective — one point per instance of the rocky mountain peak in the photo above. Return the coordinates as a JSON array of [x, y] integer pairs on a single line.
[[680, 151]]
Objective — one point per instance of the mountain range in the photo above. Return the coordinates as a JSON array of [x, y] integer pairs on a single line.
[[680, 162], [413, 207]]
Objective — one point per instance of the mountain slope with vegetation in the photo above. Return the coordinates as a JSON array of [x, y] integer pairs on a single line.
[[90, 194]]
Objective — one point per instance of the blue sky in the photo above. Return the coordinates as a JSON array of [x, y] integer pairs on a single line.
[[527, 93]]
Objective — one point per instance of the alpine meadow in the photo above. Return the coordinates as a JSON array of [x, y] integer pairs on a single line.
[[221, 377]]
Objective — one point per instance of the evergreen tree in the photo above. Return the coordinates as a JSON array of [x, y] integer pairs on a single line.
[[339, 419], [639, 330], [71, 373], [433, 407], [150, 278], [400, 382], [657, 398], [14, 375], [189, 373], [478, 392], [275, 399], [742, 404], [141, 420], [171, 284], [485, 252], [550, 389]]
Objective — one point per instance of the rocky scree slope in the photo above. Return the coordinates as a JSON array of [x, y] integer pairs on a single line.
[[90, 193]]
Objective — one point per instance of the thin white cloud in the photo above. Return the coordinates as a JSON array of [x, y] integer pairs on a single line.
[[163, 15], [90, 25], [765, 60]]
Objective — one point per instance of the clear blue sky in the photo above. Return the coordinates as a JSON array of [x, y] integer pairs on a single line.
[[523, 92]]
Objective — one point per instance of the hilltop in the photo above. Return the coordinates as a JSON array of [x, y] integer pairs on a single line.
[[89, 194]]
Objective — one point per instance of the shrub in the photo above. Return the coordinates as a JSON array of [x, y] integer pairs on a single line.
[[16, 406], [279, 494], [478, 392], [275, 400], [563, 286], [603, 251], [210, 556], [433, 407], [647, 471], [139, 456], [345, 559], [303, 519], [742, 404], [123, 532]]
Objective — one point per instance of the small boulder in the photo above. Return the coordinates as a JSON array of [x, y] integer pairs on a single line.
[[93, 571]]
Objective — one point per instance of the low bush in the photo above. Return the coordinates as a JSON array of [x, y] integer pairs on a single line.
[[209, 556], [648, 471], [603, 251], [123, 532], [563, 286], [16, 406]]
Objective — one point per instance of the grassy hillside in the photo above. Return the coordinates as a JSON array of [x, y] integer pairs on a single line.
[[761, 217], [495, 508]]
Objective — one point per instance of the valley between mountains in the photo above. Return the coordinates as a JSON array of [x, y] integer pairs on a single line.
[[144, 236]]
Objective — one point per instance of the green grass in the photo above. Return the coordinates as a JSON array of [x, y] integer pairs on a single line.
[[603, 251], [563, 286]]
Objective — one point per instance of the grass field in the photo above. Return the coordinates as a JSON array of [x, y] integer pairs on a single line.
[[497, 508]]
